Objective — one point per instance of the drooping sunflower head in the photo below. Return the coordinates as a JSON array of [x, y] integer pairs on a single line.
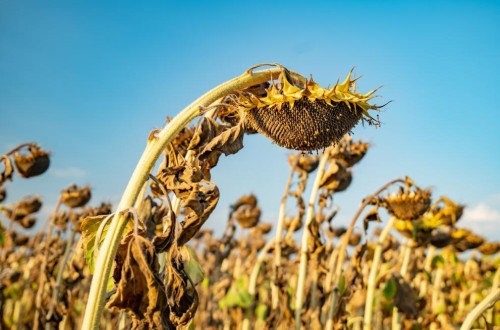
[[466, 240], [448, 211], [306, 116], [408, 204]]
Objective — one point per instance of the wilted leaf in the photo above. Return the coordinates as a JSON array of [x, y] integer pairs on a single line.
[[8, 170], [229, 142], [206, 199], [140, 291]]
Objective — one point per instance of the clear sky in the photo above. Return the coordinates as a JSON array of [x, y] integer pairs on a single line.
[[88, 80]]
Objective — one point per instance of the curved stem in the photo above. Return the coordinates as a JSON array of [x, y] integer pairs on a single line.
[[487, 302], [19, 147], [347, 235], [304, 253], [151, 153]]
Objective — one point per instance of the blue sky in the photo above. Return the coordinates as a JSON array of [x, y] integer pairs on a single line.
[[88, 80]]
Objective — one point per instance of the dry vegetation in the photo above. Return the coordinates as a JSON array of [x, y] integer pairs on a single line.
[[416, 269]]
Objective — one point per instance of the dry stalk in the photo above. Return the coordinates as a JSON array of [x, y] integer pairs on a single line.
[[343, 248], [64, 261], [488, 302], [373, 275], [304, 253], [252, 285], [406, 254], [277, 240], [43, 267]]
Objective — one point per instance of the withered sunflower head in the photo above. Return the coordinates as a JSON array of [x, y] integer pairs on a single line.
[[306, 117], [448, 211], [489, 248], [27, 222], [34, 163], [350, 153], [73, 196], [408, 204], [246, 212], [304, 163], [440, 239], [465, 240], [25, 207]]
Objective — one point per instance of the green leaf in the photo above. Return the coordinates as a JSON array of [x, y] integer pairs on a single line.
[[192, 264], [261, 311], [90, 228], [342, 284], [237, 296], [437, 261], [390, 289]]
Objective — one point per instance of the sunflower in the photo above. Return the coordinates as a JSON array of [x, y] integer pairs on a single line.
[[408, 204], [306, 117]]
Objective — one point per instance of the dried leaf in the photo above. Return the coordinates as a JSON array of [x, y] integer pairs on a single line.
[[230, 141], [202, 203], [8, 170], [140, 290]]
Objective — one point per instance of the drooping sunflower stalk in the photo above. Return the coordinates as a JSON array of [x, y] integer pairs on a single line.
[[306, 116]]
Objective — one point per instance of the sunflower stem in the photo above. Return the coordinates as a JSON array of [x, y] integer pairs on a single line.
[[304, 253], [487, 302], [149, 157], [343, 248], [277, 241], [372, 282]]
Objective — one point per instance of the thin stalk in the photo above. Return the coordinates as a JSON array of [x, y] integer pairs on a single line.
[[487, 302], [43, 267], [155, 146], [373, 275], [496, 283], [396, 316], [329, 279], [64, 261], [428, 268], [304, 253], [19, 147], [343, 248], [252, 285], [277, 240], [436, 289]]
